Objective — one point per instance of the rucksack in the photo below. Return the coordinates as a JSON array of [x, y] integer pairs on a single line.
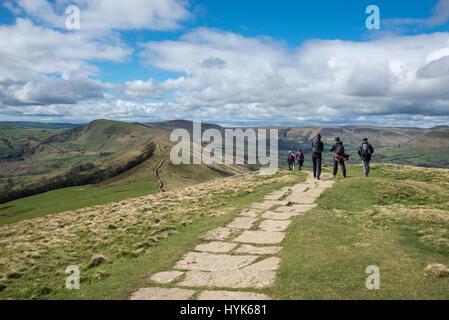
[[365, 152], [300, 155], [291, 158], [339, 149], [316, 146]]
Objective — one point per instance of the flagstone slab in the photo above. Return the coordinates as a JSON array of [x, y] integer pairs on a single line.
[[237, 279], [250, 213], [213, 262], [273, 196], [242, 223], [258, 275], [274, 225], [284, 209], [231, 295], [216, 247], [221, 233], [247, 248], [280, 215], [302, 208], [261, 237], [262, 205], [270, 264], [162, 294], [166, 276], [303, 197]]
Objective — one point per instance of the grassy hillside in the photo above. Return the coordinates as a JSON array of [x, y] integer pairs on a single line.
[[138, 181], [136, 237], [16, 142], [397, 220], [353, 135], [428, 150], [435, 139]]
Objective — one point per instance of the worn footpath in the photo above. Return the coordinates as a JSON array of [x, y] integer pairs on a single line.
[[237, 260]]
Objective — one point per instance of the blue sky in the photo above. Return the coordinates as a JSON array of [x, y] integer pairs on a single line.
[[232, 62]]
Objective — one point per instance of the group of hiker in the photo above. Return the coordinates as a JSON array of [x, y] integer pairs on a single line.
[[365, 152]]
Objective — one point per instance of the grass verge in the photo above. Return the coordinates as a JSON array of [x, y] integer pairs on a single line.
[[397, 220]]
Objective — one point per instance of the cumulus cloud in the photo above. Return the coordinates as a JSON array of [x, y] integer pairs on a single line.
[[225, 77], [139, 89], [27, 49], [47, 91], [263, 78]]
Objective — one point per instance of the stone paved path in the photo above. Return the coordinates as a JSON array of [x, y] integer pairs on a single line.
[[240, 255]]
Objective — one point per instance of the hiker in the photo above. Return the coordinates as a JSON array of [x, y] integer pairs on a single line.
[[291, 161], [300, 158], [317, 149], [365, 152], [339, 157]]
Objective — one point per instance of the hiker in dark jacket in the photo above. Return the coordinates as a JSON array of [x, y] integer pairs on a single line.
[[339, 157], [291, 161], [365, 152], [317, 149], [300, 158]]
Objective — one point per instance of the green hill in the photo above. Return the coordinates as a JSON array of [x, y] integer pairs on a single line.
[[430, 149], [96, 149]]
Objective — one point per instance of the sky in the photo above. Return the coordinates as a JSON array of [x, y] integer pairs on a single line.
[[235, 63]]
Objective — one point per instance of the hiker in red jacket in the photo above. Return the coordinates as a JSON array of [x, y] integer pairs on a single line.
[[291, 161], [300, 158]]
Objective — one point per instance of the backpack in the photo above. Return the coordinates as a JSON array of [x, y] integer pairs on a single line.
[[365, 151], [290, 157], [339, 149], [316, 146], [300, 155]]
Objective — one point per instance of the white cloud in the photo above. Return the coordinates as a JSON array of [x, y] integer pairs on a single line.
[[226, 77], [262, 78], [27, 49]]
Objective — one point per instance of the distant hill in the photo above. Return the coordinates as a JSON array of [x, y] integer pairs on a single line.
[[103, 151], [438, 138], [40, 125], [36, 155], [353, 135]]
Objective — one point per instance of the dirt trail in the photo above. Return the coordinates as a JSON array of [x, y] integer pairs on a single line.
[[160, 180], [240, 255], [157, 171]]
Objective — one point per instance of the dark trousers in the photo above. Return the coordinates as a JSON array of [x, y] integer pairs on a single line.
[[300, 164], [316, 160], [366, 167], [342, 165], [291, 165]]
